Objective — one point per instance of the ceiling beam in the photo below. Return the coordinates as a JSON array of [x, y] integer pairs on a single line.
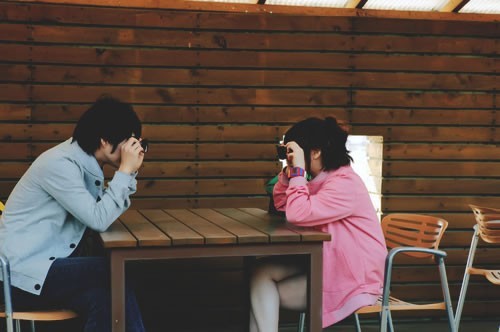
[[453, 6], [355, 3]]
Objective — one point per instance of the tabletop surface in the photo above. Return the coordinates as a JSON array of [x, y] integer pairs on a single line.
[[178, 227]]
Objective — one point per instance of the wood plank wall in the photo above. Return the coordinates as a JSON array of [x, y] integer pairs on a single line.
[[215, 90]]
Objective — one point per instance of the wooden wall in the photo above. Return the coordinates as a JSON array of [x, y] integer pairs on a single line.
[[216, 90]]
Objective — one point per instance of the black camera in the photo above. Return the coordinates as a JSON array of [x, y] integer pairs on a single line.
[[145, 144], [281, 149]]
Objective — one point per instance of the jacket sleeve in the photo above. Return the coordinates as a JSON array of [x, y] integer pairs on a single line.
[[334, 201], [279, 192], [64, 182]]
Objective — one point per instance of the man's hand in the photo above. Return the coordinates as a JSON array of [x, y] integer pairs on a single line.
[[132, 156]]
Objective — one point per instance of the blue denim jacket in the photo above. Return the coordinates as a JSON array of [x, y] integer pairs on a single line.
[[58, 197]]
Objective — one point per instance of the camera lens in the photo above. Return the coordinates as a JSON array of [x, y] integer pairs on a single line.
[[145, 144], [281, 149]]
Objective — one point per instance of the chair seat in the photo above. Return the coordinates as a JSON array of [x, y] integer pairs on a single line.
[[493, 276], [397, 304], [41, 315]]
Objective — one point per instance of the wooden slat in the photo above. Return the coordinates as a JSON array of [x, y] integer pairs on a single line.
[[422, 99], [201, 187], [424, 117], [430, 133], [429, 202], [306, 234], [179, 233], [13, 170], [452, 5], [211, 233], [441, 168], [13, 112], [245, 114], [190, 114], [195, 202], [276, 230], [156, 152], [209, 169], [251, 8], [234, 21], [144, 231], [458, 256], [152, 95], [13, 151], [243, 232], [117, 235], [487, 152], [274, 78], [177, 133], [441, 186], [233, 40], [59, 54]]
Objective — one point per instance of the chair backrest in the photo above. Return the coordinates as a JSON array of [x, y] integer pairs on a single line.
[[413, 230], [488, 222]]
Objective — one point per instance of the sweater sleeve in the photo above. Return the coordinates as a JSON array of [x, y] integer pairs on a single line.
[[64, 182], [279, 192], [334, 201]]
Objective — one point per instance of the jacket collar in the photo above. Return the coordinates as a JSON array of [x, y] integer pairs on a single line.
[[88, 162]]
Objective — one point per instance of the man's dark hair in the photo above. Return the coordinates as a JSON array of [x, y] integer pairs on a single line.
[[109, 119], [325, 135]]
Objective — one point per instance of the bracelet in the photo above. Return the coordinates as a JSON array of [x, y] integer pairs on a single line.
[[292, 172]]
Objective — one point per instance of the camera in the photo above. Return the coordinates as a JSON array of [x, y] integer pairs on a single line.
[[281, 149], [145, 144]]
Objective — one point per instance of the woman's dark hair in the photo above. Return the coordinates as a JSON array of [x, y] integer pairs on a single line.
[[109, 119], [325, 135]]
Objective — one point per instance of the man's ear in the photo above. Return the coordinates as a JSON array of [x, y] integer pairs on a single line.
[[315, 154], [103, 143]]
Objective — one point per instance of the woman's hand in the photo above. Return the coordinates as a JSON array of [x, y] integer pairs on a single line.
[[132, 156], [295, 155]]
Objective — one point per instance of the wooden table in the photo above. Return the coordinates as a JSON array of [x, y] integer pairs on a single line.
[[195, 233]]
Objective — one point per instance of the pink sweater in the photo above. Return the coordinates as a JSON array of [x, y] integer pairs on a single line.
[[337, 202]]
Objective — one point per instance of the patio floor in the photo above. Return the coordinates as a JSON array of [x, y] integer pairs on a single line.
[[427, 326]]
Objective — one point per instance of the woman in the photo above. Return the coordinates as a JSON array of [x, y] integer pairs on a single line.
[[336, 201]]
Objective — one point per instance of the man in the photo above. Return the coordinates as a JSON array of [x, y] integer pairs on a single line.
[[57, 199]]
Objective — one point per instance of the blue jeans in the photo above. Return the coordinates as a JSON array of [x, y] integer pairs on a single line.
[[81, 284]]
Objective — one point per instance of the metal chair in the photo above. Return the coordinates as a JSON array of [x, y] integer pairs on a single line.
[[416, 236], [488, 228], [32, 316]]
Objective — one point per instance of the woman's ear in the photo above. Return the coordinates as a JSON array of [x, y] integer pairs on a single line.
[[315, 154]]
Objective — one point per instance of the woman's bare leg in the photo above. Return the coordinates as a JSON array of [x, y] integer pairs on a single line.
[[265, 291]]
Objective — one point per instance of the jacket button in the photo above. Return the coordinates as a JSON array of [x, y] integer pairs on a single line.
[[72, 245], [37, 287], [97, 182], [52, 258]]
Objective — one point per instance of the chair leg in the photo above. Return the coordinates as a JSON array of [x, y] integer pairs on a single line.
[[389, 322], [465, 282], [388, 326], [446, 295], [357, 322], [32, 325], [302, 322], [18, 325]]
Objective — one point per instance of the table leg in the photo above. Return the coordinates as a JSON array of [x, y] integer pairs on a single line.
[[117, 291], [316, 290]]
